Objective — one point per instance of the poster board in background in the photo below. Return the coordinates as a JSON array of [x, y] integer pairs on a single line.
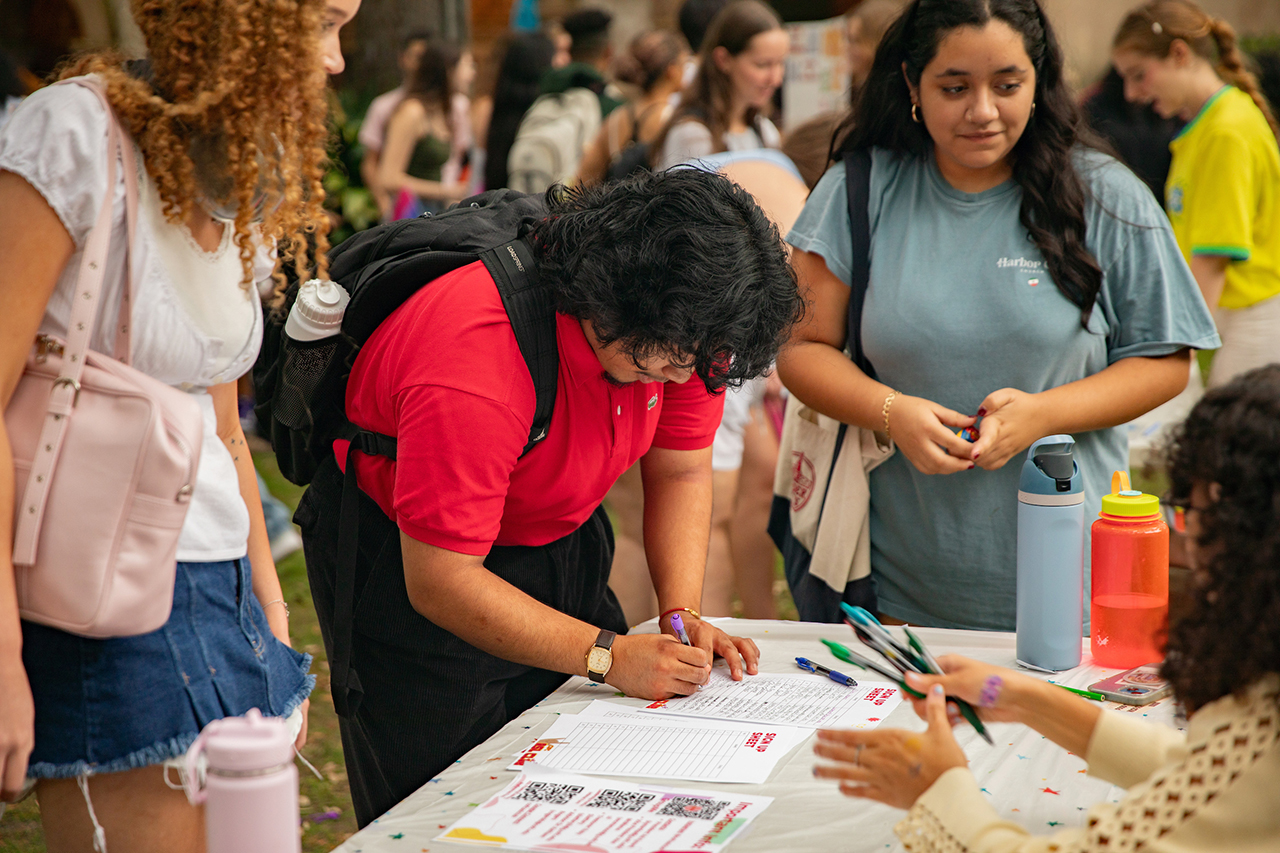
[[817, 78]]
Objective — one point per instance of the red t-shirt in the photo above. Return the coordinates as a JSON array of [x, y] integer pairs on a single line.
[[444, 375]]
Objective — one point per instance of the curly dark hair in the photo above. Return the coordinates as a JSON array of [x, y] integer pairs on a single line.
[[1230, 441], [680, 264], [1053, 195]]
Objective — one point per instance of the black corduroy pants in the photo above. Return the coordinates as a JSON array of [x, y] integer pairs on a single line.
[[429, 697]]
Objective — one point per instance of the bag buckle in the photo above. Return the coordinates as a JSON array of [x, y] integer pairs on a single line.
[[75, 385], [45, 344]]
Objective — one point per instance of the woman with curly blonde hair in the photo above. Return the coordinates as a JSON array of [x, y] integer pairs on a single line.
[[226, 119]]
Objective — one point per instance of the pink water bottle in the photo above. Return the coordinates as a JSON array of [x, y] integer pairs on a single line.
[[249, 786]]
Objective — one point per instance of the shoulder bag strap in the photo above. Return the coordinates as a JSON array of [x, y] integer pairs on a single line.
[[533, 318], [857, 171], [85, 306]]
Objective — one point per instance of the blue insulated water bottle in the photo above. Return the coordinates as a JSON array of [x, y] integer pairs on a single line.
[[1050, 556]]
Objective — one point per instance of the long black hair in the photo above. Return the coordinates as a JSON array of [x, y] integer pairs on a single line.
[[680, 264], [527, 57], [1053, 194]]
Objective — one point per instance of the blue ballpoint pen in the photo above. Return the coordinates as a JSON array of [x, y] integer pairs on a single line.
[[838, 677]]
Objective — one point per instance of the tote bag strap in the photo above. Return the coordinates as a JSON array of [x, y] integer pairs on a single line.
[[84, 312]]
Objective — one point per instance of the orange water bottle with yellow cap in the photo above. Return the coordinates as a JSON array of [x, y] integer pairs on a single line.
[[1129, 594]]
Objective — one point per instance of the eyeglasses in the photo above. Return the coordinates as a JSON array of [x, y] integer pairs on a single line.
[[1176, 511]]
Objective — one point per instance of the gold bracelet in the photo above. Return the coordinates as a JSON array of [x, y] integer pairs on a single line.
[[282, 603], [888, 401]]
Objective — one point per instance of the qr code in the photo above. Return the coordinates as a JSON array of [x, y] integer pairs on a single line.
[[549, 792], [620, 801], [693, 807]]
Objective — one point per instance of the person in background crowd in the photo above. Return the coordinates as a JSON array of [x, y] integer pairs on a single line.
[[422, 134], [808, 145], [1223, 190], [695, 19], [1211, 789], [591, 54], [1137, 133], [1041, 273], [865, 25], [97, 724], [725, 108], [373, 129], [11, 89], [561, 41], [526, 57], [655, 65]]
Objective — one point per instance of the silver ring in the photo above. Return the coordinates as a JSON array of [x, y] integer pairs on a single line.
[[857, 755]]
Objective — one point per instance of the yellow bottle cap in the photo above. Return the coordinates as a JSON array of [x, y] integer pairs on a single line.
[[1127, 503]]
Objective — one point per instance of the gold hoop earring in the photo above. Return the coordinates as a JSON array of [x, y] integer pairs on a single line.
[[915, 116], [1033, 108]]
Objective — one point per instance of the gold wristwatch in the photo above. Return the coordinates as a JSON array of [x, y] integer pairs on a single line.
[[600, 656]]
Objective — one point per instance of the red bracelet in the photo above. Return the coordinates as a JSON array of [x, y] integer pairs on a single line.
[[688, 610]]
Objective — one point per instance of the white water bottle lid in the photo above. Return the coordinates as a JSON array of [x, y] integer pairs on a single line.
[[317, 312]]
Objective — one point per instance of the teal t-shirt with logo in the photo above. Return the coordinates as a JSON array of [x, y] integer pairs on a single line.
[[960, 304]]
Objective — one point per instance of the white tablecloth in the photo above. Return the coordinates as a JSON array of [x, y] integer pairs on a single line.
[[1030, 780]]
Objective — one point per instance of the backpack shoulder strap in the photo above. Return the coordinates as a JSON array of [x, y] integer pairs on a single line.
[[533, 318], [857, 173]]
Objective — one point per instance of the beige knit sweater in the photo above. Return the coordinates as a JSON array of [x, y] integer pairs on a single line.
[[1215, 789]]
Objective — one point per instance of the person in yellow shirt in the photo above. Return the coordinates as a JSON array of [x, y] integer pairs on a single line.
[[1223, 190]]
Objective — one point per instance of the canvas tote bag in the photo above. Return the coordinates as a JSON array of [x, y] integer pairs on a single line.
[[105, 458]]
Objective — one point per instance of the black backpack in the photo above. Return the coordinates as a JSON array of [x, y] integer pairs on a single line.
[[300, 387]]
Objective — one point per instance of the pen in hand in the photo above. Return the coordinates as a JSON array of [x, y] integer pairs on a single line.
[[677, 625]]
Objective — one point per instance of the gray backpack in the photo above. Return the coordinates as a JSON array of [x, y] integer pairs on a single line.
[[551, 139]]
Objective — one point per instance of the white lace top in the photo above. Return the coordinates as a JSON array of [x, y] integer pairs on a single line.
[[1216, 789], [193, 325]]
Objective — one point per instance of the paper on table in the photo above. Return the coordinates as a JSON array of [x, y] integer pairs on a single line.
[[546, 809], [797, 700], [616, 740]]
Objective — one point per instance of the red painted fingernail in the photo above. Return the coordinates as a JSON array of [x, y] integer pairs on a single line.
[[971, 466], [982, 413], [977, 453]]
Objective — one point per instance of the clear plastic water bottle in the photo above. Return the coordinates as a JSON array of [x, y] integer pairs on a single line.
[[1050, 556], [242, 769]]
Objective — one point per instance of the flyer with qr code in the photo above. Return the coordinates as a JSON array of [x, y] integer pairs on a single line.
[[548, 809]]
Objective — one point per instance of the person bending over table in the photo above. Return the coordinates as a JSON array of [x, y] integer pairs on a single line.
[[482, 574], [1017, 273], [1218, 787]]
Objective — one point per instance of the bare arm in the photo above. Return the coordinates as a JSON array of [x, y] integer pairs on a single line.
[[457, 592], [403, 133], [595, 161], [369, 173], [1210, 272], [1112, 396], [677, 528], [35, 247], [266, 583], [816, 370]]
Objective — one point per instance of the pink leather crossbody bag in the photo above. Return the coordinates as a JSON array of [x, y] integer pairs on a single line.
[[105, 457]]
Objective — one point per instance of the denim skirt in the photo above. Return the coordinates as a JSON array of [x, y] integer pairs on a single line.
[[105, 706]]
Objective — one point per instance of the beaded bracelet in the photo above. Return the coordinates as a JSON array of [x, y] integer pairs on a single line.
[[282, 603], [888, 401]]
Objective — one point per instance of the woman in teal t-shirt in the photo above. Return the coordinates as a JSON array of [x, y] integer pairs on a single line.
[[1020, 281]]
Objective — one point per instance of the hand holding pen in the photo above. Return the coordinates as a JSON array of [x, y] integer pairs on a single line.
[[906, 658]]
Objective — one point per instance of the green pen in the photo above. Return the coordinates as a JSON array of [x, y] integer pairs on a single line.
[[1088, 694], [966, 710]]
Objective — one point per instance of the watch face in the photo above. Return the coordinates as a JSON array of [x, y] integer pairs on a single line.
[[599, 660]]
